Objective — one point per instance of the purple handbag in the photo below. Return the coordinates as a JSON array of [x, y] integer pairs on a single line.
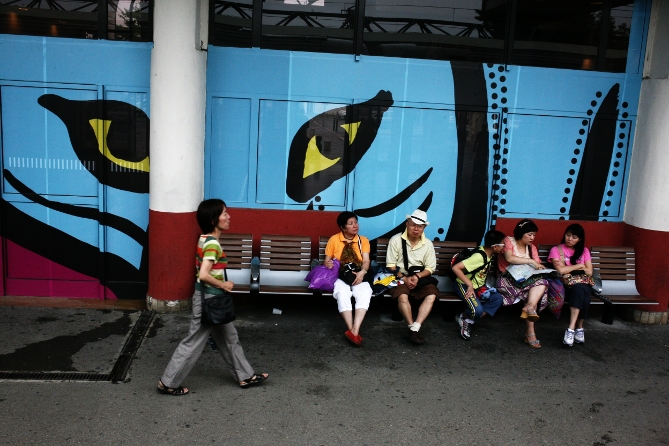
[[321, 278]]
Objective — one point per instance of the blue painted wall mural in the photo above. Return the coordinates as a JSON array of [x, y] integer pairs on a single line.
[[75, 164], [381, 136]]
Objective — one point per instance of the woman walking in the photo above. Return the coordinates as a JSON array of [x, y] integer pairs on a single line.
[[210, 263]]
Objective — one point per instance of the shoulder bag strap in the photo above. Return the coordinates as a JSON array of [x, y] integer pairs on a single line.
[[561, 255], [406, 256], [486, 262]]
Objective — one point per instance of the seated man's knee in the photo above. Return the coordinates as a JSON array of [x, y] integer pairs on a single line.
[[403, 299], [430, 299]]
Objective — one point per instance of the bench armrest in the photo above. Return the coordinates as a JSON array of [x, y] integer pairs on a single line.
[[255, 275], [597, 288]]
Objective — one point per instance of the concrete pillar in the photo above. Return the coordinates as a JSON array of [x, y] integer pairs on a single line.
[[178, 95], [647, 206]]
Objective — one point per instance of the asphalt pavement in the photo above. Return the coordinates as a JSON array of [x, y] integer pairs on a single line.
[[490, 390]]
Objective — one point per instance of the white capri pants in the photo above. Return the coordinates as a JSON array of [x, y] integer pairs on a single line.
[[343, 292]]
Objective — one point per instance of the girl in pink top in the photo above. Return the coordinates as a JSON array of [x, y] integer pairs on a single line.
[[572, 257], [518, 250]]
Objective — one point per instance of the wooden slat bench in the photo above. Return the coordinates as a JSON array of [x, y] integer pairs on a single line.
[[616, 265], [285, 260], [238, 249], [543, 254]]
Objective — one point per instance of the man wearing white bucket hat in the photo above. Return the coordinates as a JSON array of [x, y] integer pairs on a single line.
[[411, 256]]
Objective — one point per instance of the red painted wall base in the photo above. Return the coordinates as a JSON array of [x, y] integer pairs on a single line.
[[172, 246], [652, 267], [263, 221], [597, 233]]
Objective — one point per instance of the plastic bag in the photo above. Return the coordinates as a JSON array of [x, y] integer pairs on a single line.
[[321, 278]]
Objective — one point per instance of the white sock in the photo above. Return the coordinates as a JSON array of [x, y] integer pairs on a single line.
[[415, 326]]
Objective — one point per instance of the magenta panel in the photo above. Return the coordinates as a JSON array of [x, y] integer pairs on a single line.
[[24, 264], [2, 265], [29, 274]]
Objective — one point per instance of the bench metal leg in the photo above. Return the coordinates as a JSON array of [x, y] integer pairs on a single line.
[[395, 314], [607, 316], [255, 275]]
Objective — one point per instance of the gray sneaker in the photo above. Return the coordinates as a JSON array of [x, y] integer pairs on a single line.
[[579, 336], [568, 337], [465, 329]]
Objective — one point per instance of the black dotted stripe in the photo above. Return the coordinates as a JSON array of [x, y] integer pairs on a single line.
[[498, 102], [622, 140]]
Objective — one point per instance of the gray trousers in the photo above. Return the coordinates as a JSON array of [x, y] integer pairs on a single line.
[[190, 349]]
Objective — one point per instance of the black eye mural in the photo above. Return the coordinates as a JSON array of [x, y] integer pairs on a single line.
[[321, 154], [119, 160], [112, 136]]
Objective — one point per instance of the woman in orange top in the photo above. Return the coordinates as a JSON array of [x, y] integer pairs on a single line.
[[352, 251]]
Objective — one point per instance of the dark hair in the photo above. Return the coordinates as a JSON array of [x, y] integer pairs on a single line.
[[578, 231], [523, 227], [343, 218], [493, 237], [208, 212]]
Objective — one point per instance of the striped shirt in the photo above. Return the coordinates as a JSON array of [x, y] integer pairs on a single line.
[[208, 248]]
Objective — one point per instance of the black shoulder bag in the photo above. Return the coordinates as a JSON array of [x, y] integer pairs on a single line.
[[423, 281], [347, 271], [219, 309]]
